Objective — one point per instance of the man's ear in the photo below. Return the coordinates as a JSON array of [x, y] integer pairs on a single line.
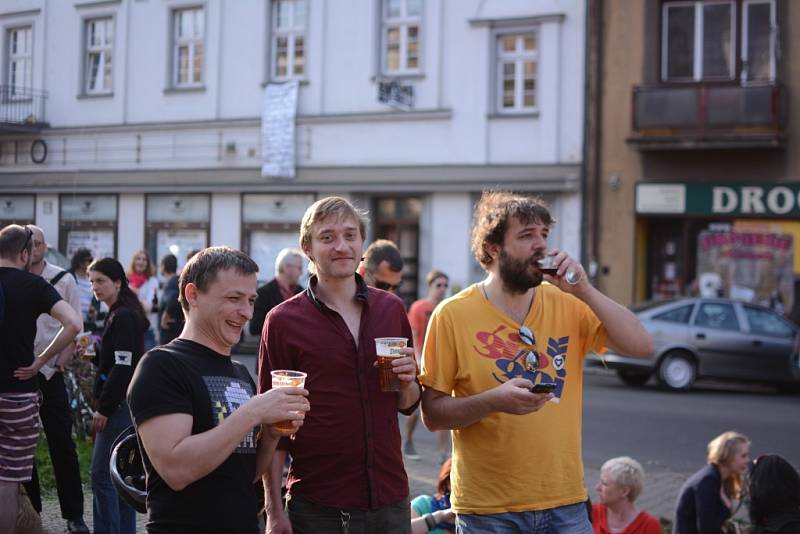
[[191, 292], [493, 250]]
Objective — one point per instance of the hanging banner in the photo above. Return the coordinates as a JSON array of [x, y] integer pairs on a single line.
[[278, 130]]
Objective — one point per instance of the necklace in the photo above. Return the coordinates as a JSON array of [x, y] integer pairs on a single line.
[[506, 310]]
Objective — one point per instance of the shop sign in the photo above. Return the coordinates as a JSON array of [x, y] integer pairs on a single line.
[[774, 200]]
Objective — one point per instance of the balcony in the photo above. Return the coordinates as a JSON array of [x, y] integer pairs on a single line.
[[21, 110], [708, 117]]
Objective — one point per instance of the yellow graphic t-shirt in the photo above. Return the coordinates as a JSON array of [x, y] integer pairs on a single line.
[[504, 462]]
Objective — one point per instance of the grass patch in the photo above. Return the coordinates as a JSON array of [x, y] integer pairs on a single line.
[[45, 467]]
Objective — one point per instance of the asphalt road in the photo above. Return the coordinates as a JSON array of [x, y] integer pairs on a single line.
[[670, 430]]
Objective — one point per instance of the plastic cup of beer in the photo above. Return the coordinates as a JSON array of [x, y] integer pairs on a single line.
[[287, 379], [388, 349], [85, 345]]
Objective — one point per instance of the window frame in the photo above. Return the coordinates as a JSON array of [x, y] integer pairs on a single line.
[[773, 44], [175, 45], [291, 34], [11, 59], [697, 60], [87, 50], [519, 58], [403, 22]]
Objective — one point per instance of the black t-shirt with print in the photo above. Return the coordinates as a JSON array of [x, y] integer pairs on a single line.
[[27, 296], [186, 377]]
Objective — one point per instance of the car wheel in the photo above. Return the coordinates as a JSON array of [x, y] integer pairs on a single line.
[[633, 378], [677, 371]]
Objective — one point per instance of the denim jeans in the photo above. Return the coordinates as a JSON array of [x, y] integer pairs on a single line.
[[571, 519], [111, 514]]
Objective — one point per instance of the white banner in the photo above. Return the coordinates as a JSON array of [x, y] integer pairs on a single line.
[[278, 130]]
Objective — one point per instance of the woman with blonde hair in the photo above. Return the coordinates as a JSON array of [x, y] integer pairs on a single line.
[[621, 482], [710, 496]]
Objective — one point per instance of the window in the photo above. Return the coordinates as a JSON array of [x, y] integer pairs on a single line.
[[99, 52], [676, 315], [517, 61], [20, 60], [758, 41], [188, 33], [718, 316], [766, 323], [401, 36], [699, 41], [288, 39]]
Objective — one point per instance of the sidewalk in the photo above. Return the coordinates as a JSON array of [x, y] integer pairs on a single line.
[[658, 497]]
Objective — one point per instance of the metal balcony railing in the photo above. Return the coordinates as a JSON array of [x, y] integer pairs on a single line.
[[21, 108], [708, 115]]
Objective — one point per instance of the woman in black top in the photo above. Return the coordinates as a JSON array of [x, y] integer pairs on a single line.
[[707, 500], [774, 496], [120, 351]]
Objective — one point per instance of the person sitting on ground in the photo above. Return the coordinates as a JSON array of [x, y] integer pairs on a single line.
[[433, 514], [707, 500], [774, 496], [621, 482]]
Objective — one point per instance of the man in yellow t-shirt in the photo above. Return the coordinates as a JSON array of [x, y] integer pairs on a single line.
[[517, 454]]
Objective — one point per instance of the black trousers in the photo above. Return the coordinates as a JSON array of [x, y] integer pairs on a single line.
[[57, 423]]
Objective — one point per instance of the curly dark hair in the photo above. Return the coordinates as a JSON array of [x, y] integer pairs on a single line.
[[492, 213], [774, 488]]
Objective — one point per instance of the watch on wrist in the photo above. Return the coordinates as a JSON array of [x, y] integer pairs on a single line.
[[430, 521]]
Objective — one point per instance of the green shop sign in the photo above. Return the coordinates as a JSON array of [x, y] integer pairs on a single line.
[[775, 200]]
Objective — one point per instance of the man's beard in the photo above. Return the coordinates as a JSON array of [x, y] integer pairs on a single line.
[[515, 274]]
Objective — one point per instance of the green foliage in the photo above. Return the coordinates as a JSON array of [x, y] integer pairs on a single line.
[[45, 467]]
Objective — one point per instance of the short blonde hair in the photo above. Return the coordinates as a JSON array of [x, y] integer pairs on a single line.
[[627, 472], [327, 207], [721, 451]]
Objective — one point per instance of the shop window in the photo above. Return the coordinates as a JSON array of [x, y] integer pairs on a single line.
[[89, 221], [397, 219], [176, 224], [271, 223], [17, 209]]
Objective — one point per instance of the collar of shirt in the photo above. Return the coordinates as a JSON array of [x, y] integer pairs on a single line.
[[362, 290]]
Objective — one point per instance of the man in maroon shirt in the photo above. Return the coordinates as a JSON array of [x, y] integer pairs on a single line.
[[347, 472]]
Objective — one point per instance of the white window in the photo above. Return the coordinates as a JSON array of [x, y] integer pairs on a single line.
[[517, 66], [188, 35], [288, 39], [99, 53], [699, 41], [402, 21], [759, 32], [20, 61]]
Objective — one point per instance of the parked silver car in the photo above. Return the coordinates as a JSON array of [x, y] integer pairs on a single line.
[[719, 338]]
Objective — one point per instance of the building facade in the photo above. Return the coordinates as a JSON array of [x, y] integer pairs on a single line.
[[692, 165], [131, 124]]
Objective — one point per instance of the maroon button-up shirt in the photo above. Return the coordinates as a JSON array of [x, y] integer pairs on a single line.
[[347, 453]]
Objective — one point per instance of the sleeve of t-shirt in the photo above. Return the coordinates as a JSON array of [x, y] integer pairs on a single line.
[[439, 358], [593, 332], [123, 341], [158, 387], [273, 353], [47, 296]]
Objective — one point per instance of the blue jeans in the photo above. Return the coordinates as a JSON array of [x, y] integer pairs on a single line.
[[149, 339], [111, 514], [571, 519]]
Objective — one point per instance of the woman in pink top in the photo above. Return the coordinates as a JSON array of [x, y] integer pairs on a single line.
[[621, 481]]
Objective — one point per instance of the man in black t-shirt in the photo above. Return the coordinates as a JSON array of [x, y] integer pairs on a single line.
[[206, 436], [25, 297]]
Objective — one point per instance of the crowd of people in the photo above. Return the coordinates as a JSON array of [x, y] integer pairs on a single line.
[[490, 367]]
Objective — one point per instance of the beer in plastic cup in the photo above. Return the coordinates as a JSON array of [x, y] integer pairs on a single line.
[[287, 379], [387, 349], [86, 345]]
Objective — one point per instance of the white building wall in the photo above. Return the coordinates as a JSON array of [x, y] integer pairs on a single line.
[[447, 248], [130, 227], [226, 216], [47, 217]]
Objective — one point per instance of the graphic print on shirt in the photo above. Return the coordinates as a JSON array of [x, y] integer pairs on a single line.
[[504, 346], [227, 395]]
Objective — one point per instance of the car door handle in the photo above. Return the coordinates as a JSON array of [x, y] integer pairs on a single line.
[[700, 336]]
